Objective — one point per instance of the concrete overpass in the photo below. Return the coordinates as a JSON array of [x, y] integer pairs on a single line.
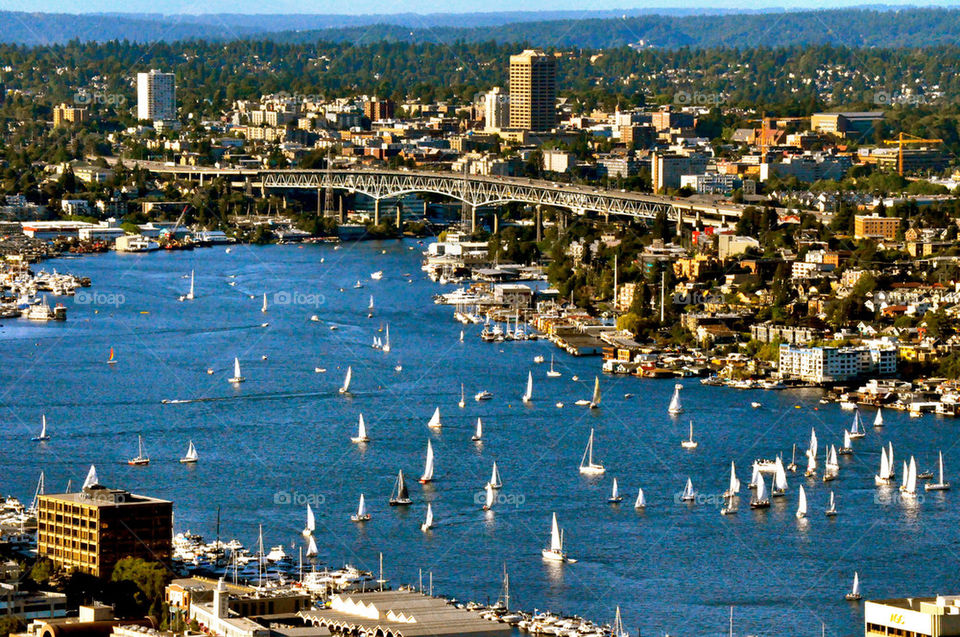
[[474, 191]]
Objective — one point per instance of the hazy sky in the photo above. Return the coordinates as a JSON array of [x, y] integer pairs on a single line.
[[402, 6]]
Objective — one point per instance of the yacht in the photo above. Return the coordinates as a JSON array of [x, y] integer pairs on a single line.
[[399, 496], [689, 443], [587, 465], [482, 395], [192, 457], [141, 458], [555, 552]]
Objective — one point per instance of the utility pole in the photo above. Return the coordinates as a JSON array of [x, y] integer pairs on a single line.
[[663, 294]]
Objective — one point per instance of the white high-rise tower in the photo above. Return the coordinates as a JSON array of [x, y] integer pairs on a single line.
[[156, 95]]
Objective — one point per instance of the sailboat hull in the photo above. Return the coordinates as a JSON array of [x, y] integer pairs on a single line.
[[394, 502], [138, 462], [594, 470], [937, 487], [188, 460], [556, 556]]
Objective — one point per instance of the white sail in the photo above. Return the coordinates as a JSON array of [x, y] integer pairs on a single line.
[[428, 465], [311, 521], [780, 476], [812, 451], [361, 431], [912, 477], [92, 480], [884, 465], [362, 508], [434, 421], [675, 406], [641, 501], [940, 469], [428, 519], [43, 428], [237, 376], [528, 395], [802, 503], [811, 463], [478, 435], [312, 547], [386, 339], [734, 487], [688, 490], [761, 494], [856, 584], [856, 428], [495, 477], [755, 476], [587, 465], [615, 493], [847, 442], [595, 401], [832, 507], [488, 501], [878, 419], [556, 540], [905, 475], [190, 293], [370, 307], [264, 308], [890, 457], [191, 452], [346, 380]]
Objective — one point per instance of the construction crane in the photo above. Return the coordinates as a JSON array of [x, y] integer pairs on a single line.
[[169, 235], [902, 140]]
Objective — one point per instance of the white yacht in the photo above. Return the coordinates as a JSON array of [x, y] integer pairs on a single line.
[[587, 465]]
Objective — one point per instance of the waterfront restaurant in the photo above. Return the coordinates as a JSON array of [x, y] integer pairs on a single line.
[[913, 617]]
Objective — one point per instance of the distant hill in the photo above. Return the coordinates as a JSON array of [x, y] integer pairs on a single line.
[[884, 27]]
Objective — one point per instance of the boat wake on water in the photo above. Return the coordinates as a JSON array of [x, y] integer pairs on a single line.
[[270, 396]]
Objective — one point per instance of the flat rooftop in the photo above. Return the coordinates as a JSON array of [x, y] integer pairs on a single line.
[[102, 497]]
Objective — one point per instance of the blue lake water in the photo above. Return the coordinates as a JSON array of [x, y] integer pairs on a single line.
[[281, 439]]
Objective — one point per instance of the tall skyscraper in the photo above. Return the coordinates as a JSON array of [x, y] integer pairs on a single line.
[[496, 109], [156, 95], [533, 91]]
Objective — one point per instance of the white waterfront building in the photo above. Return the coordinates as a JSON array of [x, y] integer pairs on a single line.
[[836, 364]]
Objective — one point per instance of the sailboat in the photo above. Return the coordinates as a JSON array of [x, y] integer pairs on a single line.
[[641, 501], [909, 486], [731, 505], [386, 339], [489, 498], [237, 376], [434, 422], [555, 552], [878, 419], [478, 434], [615, 497], [734, 487], [831, 467], [552, 373], [428, 520], [688, 494], [618, 630], [192, 457], [345, 389], [940, 484], [754, 476], [587, 465], [802, 504], [190, 296], [854, 594], [779, 482], [111, 360], [812, 455], [886, 474], [832, 507], [856, 429], [463, 400], [528, 395], [264, 308], [595, 400], [691, 443], [461, 336], [370, 308], [361, 514], [759, 500], [312, 548], [495, 481], [141, 458], [311, 523], [847, 448], [675, 407], [428, 466], [399, 496], [44, 436], [361, 436]]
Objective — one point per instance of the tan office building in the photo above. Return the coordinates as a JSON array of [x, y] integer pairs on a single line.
[[533, 91], [875, 227], [90, 531], [913, 617]]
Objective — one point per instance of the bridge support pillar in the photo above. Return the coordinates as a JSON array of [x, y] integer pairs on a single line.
[[539, 223], [201, 180], [424, 208], [376, 212], [399, 216], [496, 222], [473, 218], [343, 213], [320, 210]]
